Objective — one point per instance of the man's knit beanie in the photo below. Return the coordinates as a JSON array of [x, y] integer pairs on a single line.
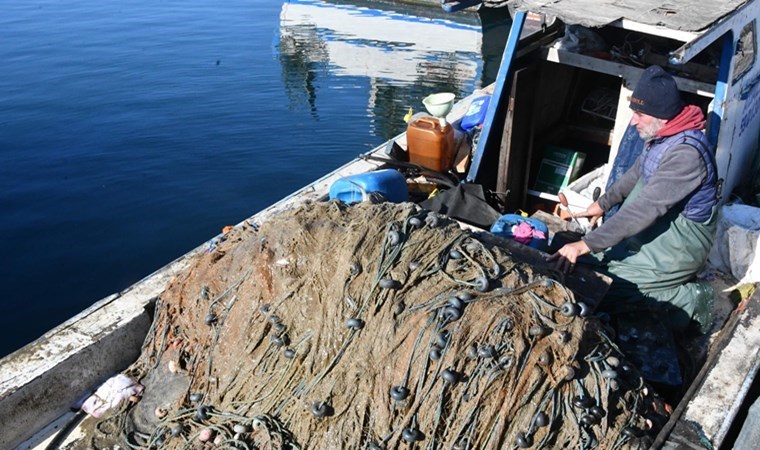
[[656, 94]]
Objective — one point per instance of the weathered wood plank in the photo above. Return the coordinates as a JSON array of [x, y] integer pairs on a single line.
[[676, 14]]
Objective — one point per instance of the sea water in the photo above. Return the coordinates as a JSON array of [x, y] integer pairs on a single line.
[[132, 132]]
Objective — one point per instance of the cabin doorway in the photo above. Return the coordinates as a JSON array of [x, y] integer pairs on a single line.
[[555, 111]]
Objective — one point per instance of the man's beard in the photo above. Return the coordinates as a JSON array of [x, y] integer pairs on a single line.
[[648, 132]]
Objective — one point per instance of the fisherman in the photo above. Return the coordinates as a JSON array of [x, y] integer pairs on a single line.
[[661, 236]]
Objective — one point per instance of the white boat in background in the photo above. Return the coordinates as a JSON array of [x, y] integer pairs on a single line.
[[353, 40], [39, 383]]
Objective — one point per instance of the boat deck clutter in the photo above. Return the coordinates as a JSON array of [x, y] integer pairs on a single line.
[[375, 326]]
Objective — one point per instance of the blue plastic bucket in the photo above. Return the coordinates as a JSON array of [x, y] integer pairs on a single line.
[[506, 223], [389, 183]]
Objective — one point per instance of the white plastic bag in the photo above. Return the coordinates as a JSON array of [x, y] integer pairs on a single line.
[[578, 39], [736, 249], [110, 395]]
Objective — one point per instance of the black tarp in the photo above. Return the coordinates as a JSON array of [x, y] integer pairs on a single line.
[[466, 202]]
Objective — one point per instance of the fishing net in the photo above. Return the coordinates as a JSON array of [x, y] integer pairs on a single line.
[[375, 326]]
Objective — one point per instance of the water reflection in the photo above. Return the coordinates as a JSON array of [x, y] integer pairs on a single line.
[[404, 53], [301, 54]]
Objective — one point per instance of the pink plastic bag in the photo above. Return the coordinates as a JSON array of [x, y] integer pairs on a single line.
[[524, 232]]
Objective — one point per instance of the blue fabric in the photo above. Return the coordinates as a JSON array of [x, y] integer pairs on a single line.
[[652, 157], [699, 205], [629, 150], [504, 225]]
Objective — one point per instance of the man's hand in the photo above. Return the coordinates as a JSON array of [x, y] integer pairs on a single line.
[[594, 212], [568, 255]]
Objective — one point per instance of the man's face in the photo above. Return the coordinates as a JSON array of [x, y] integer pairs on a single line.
[[646, 125]]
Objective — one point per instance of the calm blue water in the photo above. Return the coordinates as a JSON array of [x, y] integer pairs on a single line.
[[133, 132]]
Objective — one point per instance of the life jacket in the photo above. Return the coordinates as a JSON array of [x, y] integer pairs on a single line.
[[697, 206]]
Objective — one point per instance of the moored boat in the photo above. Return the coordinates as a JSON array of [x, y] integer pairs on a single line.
[[540, 95]]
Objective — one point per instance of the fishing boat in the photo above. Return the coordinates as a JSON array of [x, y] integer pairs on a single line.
[[552, 91]]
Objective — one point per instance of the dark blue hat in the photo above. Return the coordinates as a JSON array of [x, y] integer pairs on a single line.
[[656, 94]]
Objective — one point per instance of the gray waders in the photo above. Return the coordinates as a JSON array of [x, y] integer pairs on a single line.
[[655, 269]]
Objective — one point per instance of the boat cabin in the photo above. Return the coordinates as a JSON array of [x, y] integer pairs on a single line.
[[567, 85]]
